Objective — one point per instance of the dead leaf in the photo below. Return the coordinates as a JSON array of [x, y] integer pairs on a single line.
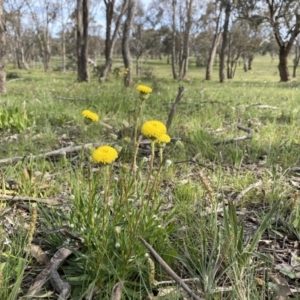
[[38, 254], [260, 281], [116, 293]]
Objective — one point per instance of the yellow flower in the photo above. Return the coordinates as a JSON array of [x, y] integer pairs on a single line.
[[163, 139], [154, 129], [105, 155], [89, 116], [144, 91]]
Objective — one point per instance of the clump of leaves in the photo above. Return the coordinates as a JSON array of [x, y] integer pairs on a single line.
[[14, 119]]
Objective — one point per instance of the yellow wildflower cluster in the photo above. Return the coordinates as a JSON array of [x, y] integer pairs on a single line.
[[156, 131], [105, 155], [125, 72], [89, 116]]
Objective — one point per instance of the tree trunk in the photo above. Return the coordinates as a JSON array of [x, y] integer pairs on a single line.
[[245, 62], [283, 64], [110, 41], [125, 43], [47, 51], [296, 59], [173, 57], [82, 40], [186, 47], [138, 65], [63, 50], [110, 4], [250, 61], [2, 50], [222, 74], [20, 56], [212, 55]]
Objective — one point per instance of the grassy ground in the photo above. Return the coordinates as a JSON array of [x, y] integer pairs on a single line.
[[222, 213]]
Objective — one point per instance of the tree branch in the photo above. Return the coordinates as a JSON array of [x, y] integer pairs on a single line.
[[181, 91], [239, 138], [179, 281]]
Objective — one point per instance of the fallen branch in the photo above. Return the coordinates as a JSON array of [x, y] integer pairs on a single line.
[[67, 98], [178, 280], [16, 79], [48, 201], [63, 288], [167, 282], [239, 138], [245, 191], [260, 105], [50, 272], [181, 91], [292, 169], [61, 151]]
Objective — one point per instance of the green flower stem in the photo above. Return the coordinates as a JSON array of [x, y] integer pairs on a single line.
[[135, 139], [161, 149], [156, 179], [107, 184], [151, 165], [92, 195]]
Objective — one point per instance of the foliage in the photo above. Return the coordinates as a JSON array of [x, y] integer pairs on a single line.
[[14, 119], [152, 191]]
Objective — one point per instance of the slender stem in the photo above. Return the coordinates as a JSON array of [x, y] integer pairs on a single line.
[[151, 165], [92, 194], [161, 149], [156, 179], [136, 140]]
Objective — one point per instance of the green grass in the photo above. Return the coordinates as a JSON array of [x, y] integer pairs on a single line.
[[168, 206]]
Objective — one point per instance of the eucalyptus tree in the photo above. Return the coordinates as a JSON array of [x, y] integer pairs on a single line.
[[180, 15], [147, 33], [211, 20], [114, 13], [228, 7], [14, 12], [283, 17], [43, 13], [244, 41], [186, 22], [2, 50], [64, 19]]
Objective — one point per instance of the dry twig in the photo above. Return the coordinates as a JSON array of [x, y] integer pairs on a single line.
[[178, 280], [50, 272], [245, 191], [239, 138], [181, 91], [61, 151], [48, 201]]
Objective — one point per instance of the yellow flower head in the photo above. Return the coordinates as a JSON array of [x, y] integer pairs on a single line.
[[154, 129], [105, 155], [163, 139], [144, 91], [89, 116]]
